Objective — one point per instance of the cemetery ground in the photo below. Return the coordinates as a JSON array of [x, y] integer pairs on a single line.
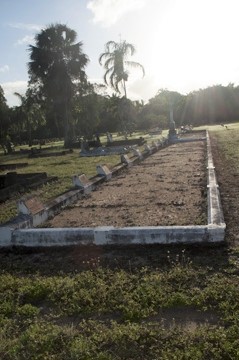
[[139, 302], [167, 188]]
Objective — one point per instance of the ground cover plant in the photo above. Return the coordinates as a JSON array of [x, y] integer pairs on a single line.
[[180, 304], [144, 302]]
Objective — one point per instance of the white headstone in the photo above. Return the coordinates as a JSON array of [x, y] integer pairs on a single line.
[[155, 144], [138, 153], [125, 159], [109, 137], [30, 206], [82, 182], [103, 170], [147, 148]]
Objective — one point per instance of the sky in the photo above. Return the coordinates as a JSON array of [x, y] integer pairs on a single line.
[[184, 45]]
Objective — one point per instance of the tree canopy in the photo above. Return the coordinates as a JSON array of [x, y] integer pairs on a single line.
[[116, 63], [57, 61], [4, 118]]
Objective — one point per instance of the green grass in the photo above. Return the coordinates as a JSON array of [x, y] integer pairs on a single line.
[[107, 313], [64, 167], [228, 140]]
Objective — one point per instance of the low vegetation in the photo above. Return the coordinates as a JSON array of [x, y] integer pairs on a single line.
[[112, 303], [114, 312]]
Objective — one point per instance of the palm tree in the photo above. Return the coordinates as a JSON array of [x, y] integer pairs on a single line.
[[57, 61], [116, 63]]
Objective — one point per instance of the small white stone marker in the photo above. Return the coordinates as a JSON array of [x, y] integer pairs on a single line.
[[138, 153], [164, 141], [103, 170], [155, 144], [30, 206], [125, 159], [147, 148], [82, 182]]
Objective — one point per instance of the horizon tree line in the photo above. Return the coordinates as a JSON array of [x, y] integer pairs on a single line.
[[60, 102]]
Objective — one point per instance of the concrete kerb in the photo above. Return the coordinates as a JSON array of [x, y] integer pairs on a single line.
[[213, 232], [215, 213], [116, 236]]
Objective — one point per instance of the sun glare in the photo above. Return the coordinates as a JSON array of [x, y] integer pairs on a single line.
[[188, 44]]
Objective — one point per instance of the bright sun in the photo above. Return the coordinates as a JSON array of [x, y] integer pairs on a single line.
[[184, 52]]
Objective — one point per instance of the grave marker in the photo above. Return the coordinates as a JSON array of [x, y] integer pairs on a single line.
[[82, 182], [103, 170], [30, 206], [147, 148], [125, 159], [138, 153], [155, 144]]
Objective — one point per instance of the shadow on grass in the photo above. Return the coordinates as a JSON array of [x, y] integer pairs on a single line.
[[73, 259]]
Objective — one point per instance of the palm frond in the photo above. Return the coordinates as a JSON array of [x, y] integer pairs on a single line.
[[109, 63], [110, 44], [104, 55], [134, 64], [110, 70], [114, 61], [128, 49]]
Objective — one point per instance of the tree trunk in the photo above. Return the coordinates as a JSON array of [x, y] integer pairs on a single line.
[[29, 131], [68, 130], [125, 94]]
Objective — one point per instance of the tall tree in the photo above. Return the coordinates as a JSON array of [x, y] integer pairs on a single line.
[[86, 111], [118, 114], [31, 113], [160, 106], [4, 116], [116, 64], [57, 62]]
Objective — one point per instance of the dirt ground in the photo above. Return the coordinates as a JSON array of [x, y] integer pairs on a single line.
[[167, 188]]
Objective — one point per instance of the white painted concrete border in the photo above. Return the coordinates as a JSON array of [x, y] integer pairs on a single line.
[[213, 232], [215, 213], [117, 236]]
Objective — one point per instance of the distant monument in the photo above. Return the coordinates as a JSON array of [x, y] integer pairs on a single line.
[[172, 134], [109, 137]]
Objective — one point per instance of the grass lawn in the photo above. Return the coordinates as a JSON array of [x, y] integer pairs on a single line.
[[135, 303]]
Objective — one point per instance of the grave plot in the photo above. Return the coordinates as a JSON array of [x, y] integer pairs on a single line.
[[168, 188], [12, 166], [12, 182], [37, 153]]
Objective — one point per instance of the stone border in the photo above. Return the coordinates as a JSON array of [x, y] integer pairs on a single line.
[[13, 233]]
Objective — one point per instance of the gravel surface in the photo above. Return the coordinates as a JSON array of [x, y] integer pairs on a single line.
[[167, 188]]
